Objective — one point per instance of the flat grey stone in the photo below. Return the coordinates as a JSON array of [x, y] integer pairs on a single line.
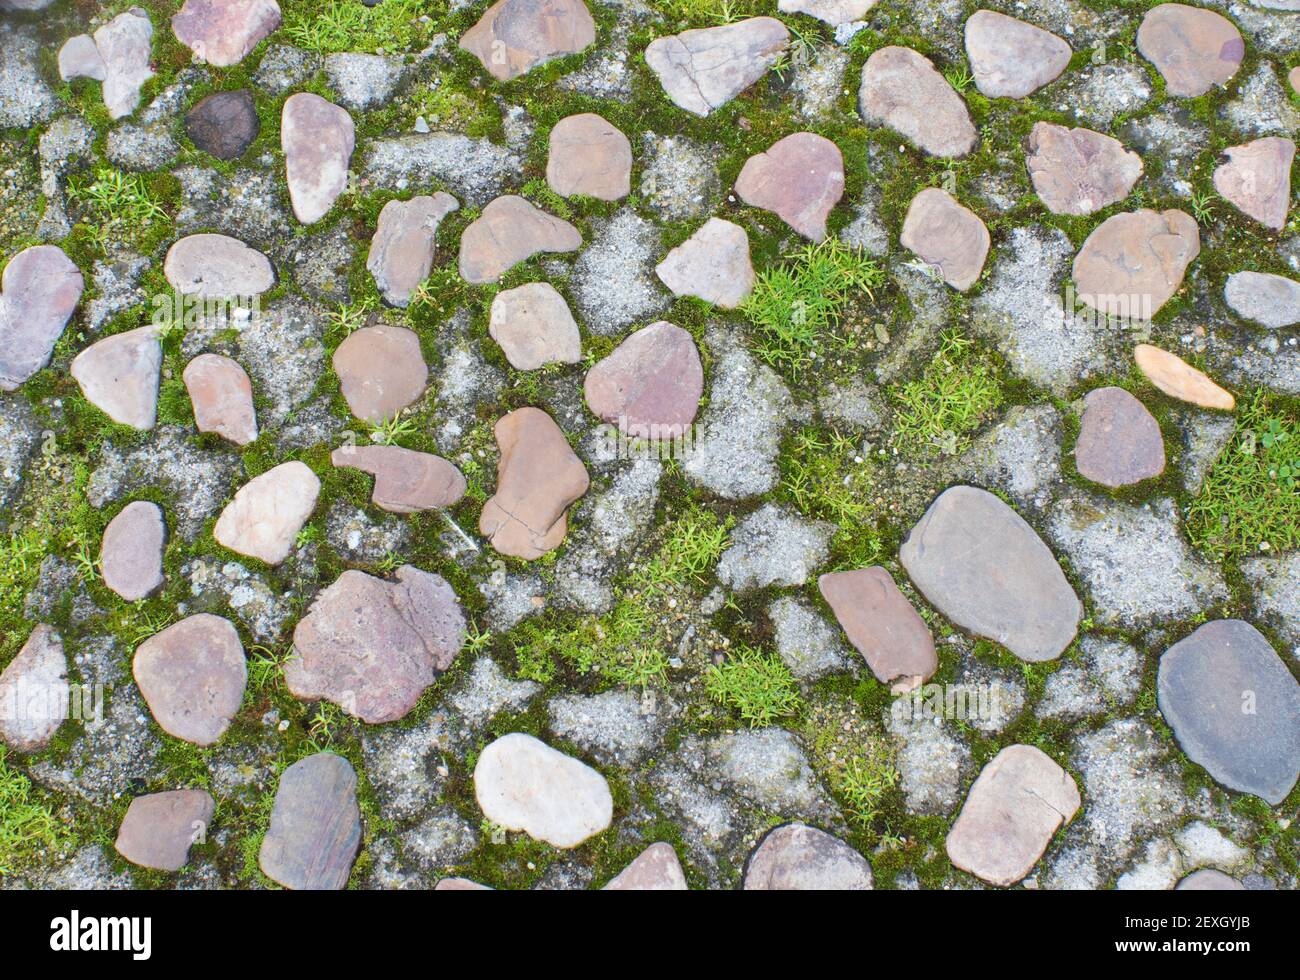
[[159, 829], [796, 857], [1271, 300], [131, 554], [315, 829], [34, 692]]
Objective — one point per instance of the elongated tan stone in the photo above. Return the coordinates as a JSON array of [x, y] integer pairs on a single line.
[[406, 481], [317, 138], [881, 624], [1178, 379], [221, 395], [267, 513]]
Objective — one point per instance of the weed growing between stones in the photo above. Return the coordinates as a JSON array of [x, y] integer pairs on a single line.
[[29, 830], [338, 26], [958, 391], [757, 686]]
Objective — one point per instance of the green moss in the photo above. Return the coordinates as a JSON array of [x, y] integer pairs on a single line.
[[957, 391], [29, 830]]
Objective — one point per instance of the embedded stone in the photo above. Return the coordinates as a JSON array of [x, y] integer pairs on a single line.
[[1178, 379], [221, 395], [656, 869], [34, 692], [713, 264], [1193, 48], [903, 90], [1011, 59], [1016, 804], [833, 12], [538, 477], [984, 568], [125, 45], [509, 231], [1133, 263], [224, 124], [1234, 708], [1270, 300], [1256, 179], [401, 252], [523, 784], [1077, 171], [650, 386], [317, 138], [1119, 440], [264, 518], [119, 375], [159, 829], [192, 676], [39, 291], [1209, 880], [796, 857], [881, 624], [799, 179], [589, 155], [80, 58], [406, 481], [705, 68], [515, 36], [373, 646], [534, 327], [224, 32], [217, 267], [947, 236], [131, 553], [381, 371], [315, 829], [459, 885]]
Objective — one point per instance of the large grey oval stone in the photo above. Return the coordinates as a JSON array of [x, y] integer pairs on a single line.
[[131, 553], [315, 830], [1234, 708], [797, 857], [1268, 299], [985, 569]]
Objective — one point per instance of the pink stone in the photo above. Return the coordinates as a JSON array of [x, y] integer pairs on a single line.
[[799, 178], [650, 386]]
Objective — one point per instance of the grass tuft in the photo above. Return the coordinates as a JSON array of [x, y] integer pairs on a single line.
[[349, 25], [27, 829], [756, 685], [958, 390]]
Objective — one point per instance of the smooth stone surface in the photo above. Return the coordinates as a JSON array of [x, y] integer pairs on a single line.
[[381, 371], [460, 885], [1133, 263], [80, 58], [224, 124], [656, 869], [796, 857], [217, 267], [521, 783], [881, 624], [1078, 171], [224, 32], [1209, 880], [538, 477], [947, 236], [705, 68], [984, 568], [1012, 59], [589, 155], [315, 829], [509, 231], [125, 43], [1119, 440], [1178, 379], [406, 481], [158, 829], [373, 646], [34, 692], [534, 327], [650, 386], [317, 138], [1017, 803], [131, 553], [515, 36], [1271, 300], [119, 375], [1194, 49], [1256, 179], [903, 90], [39, 291], [799, 179], [265, 516], [1234, 708], [713, 264], [401, 251], [833, 12], [221, 395], [192, 675]]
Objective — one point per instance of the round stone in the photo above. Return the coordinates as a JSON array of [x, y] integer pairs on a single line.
[[589, 156], [1256, 179], [509, 231], [705, 68], [515, 36], [521, 783], [1132, 264], [223, 32], [192, 676], [650, 386], [796, 857], [381, 371], [317, 138], [1078, 171], [656, 869], [401, 253], [1267, 299], [1119, 440], [224, 124], [534, 327]]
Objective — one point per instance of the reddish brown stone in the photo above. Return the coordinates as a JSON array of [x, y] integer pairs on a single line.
[[192, 676], [650, 386], [1194, 49], [590, 156], [405, 481], [1256, 179], [509, 231], [158, 829], [221, 395], [1077, 171], [1119, 440], [381, 371], [882, 624], [799, 179]]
